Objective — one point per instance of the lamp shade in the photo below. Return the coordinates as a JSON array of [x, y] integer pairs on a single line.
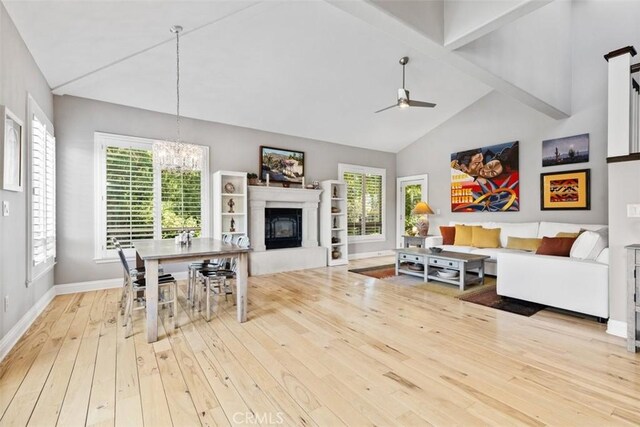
[[422, 208]]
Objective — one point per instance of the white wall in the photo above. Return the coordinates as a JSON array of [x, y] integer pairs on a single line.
[[231, 148], [19, 75]]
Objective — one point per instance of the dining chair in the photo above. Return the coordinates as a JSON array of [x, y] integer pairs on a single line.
[[217, 280], [136, 285], [137, 272]]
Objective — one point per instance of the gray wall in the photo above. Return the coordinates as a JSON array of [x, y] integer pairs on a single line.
[[19, 75], [495, 119], [231, 148], [623, 190]]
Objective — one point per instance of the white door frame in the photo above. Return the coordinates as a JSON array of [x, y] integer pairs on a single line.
[[400, 201]]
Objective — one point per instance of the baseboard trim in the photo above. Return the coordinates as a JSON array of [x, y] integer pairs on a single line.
[[94, 285], [364, 255], [617, 328], [13, 336]]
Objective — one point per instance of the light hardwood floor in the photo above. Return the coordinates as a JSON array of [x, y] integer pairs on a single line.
[[322, 347]]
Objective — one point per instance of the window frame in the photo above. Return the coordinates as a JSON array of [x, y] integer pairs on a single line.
[[101, 141], [344, 167], [35, 272]]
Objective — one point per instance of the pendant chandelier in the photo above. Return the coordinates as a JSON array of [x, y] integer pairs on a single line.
[[177, 155]]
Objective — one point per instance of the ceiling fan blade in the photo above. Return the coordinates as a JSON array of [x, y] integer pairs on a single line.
[[421, 104], [394, 105]]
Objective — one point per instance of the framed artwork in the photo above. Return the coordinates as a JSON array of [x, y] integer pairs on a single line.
[[565, 151], [11, 150], [568, 190], [281, 165], [486, 179]]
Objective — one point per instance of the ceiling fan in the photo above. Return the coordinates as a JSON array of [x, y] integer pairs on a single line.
[[403, 95]]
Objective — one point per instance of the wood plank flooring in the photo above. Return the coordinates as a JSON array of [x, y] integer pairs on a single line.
[[322, 347]]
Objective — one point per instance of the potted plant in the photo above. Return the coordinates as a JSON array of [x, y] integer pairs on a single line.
[[252, 178]]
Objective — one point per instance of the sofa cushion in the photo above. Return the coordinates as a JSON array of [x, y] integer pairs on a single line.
[[485, 237], [551, 229], [589, 244], [558, 246], [464, 234], [524, 244], [448, 235], [603, 258], [565, 234], [493, 252], [453, 248], [512, 229]]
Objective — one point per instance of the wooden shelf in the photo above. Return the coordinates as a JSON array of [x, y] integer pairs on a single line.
[[232, 214], [338, 244], [232, 195], [337, 198], [337, 229]]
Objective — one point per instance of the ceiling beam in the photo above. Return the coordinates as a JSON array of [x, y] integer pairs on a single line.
[[475, 30], [390, 24]]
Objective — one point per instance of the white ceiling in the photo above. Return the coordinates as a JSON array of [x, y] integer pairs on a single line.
[[301, 68]]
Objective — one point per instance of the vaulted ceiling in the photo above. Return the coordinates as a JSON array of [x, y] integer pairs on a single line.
[[315, 69]]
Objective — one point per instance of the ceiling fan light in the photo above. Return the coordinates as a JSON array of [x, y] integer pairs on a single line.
[[403, 103]]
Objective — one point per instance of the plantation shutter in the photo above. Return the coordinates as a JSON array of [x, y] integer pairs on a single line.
[[129, 195], [181, 209], [50, 195], [355, 196], [365, 196], [373, 204], [38, 191]]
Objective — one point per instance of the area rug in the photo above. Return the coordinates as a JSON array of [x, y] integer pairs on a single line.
[[387, 273], [489, 298], [477, 294]]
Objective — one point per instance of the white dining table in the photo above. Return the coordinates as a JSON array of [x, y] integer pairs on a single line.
[[156, 252]]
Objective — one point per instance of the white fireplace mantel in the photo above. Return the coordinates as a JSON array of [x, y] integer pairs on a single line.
[[310, 255]]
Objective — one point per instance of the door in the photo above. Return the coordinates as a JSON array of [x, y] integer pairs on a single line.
[[411, 190]]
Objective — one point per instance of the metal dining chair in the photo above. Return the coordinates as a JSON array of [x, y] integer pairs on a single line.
[[196, 266], [137, 272], [217, 280], [136, 285]]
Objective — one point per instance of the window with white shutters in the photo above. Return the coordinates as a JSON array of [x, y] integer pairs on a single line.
[[42, 193], [365, 201], [137, 201]]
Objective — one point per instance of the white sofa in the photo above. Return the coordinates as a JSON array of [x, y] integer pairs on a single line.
[[562, 282]]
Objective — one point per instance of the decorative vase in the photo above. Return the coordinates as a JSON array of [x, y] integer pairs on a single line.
[[335, 253], [423, 226], [253, 181]]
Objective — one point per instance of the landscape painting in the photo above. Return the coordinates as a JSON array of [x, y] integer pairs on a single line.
[[565, 151], [565, 190], [486, 179], [281, 165]]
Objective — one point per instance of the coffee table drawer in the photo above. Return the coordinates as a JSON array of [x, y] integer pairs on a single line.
[[411, 258], [444, 263]]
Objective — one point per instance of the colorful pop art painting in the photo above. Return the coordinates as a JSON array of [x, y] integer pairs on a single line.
[[486, 179]]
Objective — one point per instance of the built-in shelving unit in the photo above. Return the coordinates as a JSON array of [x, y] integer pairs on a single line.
[[229, 186], [333, 222], [633, 297]]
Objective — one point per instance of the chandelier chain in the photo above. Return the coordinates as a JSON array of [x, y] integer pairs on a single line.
[[178, 85]]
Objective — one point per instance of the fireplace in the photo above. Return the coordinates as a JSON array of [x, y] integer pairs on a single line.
[[282, 228]]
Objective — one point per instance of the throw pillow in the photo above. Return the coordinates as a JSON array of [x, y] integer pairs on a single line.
[[558, 246], [485, 237], [463, 235], [524, 244], [564, 234], [448, 235], [589, 244]]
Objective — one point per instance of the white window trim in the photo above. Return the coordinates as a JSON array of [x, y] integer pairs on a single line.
[[34, 273], [345, 167], [101, 141]]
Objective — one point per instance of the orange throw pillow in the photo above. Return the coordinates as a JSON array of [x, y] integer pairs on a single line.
[[448, 235], [558, 246]]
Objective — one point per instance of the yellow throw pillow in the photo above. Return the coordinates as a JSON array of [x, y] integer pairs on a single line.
[[464, 234], [570, 235], [485, 237], [524, 244]]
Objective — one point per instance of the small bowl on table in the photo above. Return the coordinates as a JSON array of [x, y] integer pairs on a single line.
[[435, 250]]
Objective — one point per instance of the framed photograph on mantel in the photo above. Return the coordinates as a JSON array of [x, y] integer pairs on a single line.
[[281, 165], [569, 190], [11, 150]]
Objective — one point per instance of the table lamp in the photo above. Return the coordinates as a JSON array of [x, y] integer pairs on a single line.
[[422, 209]]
